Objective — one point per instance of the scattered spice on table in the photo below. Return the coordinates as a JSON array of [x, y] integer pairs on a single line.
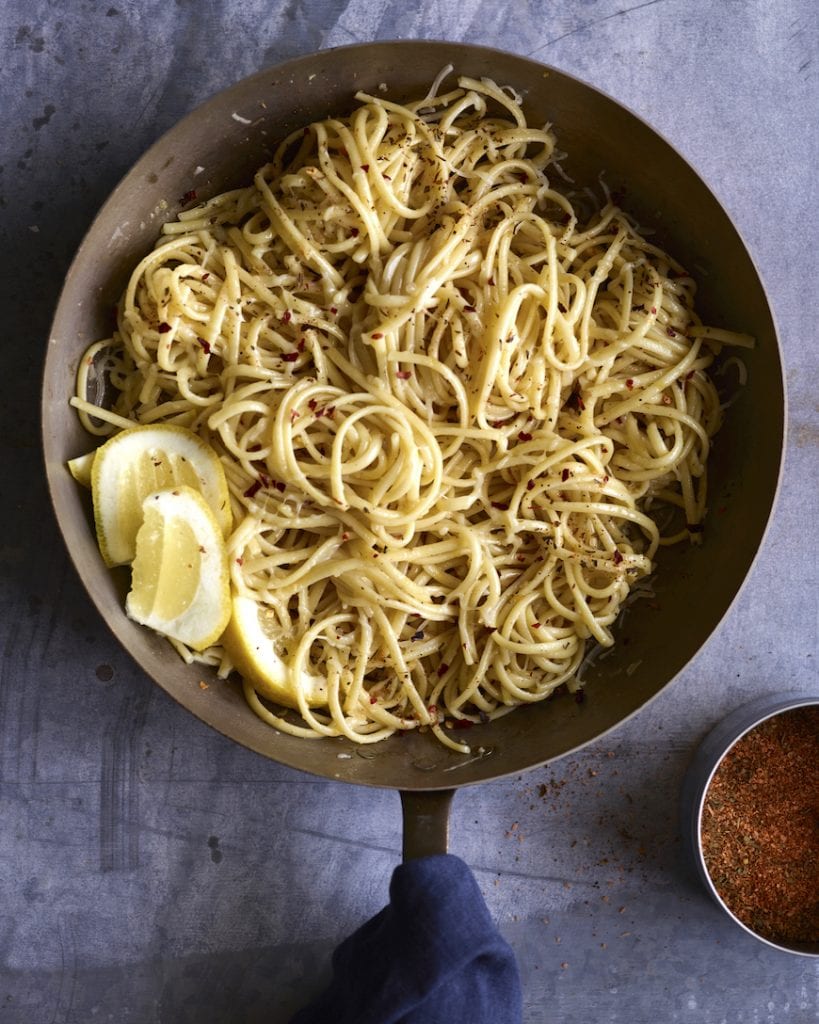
[[760, 827]]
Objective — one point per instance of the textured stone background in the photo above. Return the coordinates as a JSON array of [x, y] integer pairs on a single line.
[[150, 871]]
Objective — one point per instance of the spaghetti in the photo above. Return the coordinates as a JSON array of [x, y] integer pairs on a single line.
[[447, 405]]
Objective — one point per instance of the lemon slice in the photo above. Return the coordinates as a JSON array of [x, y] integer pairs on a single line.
[[180, 584], [141, 460], [254, 655], [80, 468]]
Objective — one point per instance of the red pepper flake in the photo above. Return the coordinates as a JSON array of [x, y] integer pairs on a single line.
[[491, 282], [535, 625], [188, 197], [287, 316], [312, 404], [365, 167], [418, 636], [386, 177], [279, 485], [442, 668], [255, 448], [667, 400], [205, 277], [500, 505], [469, 309], [564, 476], [345, 536], [530, 485], [758, 827], [354, 232], [523, 436], [329, 410], [205, 345], [618, 558], [689, 375], [164, 328], [254, 489], [376, 335], [373, 700], [240, 561], [671, 332], [300, 345], [333, 310], [403, 374], [497, 424], [290, 357], [654, 310], [575, 401], [629, 383], [462, 723], [294, 415]]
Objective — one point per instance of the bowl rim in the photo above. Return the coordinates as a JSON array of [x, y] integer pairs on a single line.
[[703, 767]]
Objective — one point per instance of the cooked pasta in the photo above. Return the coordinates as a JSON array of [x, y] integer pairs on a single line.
[[449, 406]]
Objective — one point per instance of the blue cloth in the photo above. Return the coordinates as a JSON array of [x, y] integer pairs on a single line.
[[433, 956]]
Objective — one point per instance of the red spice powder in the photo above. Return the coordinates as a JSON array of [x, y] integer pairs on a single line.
[[760, 827]]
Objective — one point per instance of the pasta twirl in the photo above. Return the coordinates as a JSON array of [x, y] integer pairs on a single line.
[[448, 407]]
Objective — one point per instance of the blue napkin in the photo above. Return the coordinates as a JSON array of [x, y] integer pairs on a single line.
[[433, 956]]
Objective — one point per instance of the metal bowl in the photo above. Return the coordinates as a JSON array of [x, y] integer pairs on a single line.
[[701, 771], [219, 146]]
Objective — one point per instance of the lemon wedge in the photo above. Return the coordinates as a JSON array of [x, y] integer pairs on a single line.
[[180, 585], [139, 461], [254, 656], [80, 468]]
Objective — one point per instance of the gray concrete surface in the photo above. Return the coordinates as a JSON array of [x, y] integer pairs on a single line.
[[150, 871]]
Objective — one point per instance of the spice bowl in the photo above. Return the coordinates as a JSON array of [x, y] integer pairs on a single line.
[[750, 819]]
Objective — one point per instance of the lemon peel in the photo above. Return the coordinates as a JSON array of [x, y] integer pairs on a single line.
[[253, 654]]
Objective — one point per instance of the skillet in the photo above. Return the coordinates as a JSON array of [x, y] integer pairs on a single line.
[[219, 146]]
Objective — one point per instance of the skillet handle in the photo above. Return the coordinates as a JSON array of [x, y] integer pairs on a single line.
[[426, 822]]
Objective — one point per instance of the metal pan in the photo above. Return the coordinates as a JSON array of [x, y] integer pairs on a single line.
[[219, 146]]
